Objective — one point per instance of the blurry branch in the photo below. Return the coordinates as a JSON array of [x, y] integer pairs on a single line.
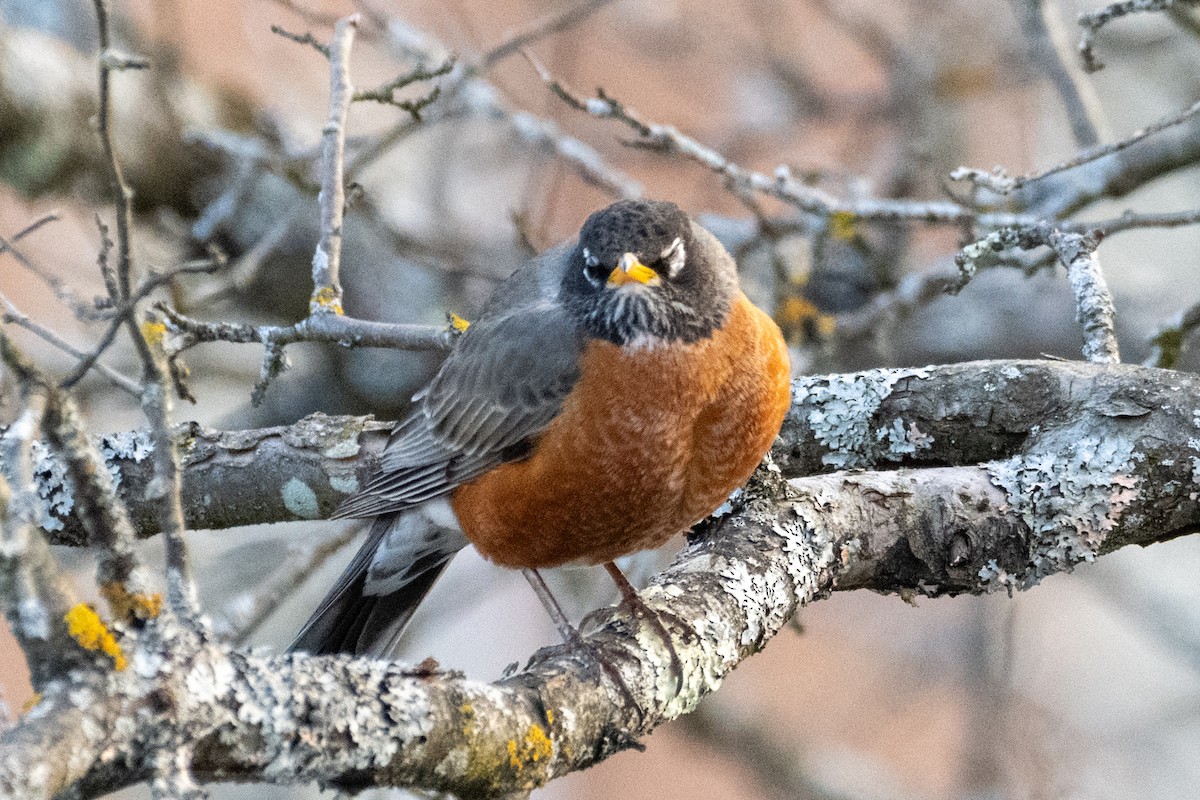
[[540, 29], [1058, 463], [246, 612], [13, 315], [775, 761], [1047, 42], [1170, 340], [147, 335], [34, 595], [305, 38], [1093, 21], [1076, 252], [997, 181]]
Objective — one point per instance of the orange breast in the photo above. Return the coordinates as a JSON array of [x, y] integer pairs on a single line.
[[648, 443]]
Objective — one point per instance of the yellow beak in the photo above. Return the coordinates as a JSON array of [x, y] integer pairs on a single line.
[[630, 270]]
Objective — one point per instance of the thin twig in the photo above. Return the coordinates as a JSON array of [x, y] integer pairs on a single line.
[[1093, 21], [148, 338], [126, 311], [998, 181], [302, 38], [1046, 41], [246, 612], [387, 92], [327, 288], [332, 328], [14, 315], [540, 29]]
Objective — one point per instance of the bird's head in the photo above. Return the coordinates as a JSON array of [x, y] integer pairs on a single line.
[[643, 273]]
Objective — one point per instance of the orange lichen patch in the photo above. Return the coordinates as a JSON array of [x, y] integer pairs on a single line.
[[457, 323], [535, 746], [127, 605], [325, 299], [843, 225], [154, 332], [85, 626]]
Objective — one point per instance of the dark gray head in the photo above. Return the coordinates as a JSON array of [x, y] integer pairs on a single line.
[[643, 272]]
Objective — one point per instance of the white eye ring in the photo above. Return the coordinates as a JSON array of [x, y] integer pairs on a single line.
[[675, 256], [590, 260]]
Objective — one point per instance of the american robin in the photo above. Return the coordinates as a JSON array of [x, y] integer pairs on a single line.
[[613, 392]]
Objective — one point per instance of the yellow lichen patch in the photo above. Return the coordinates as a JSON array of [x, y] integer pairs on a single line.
[[795, 311], [31, 703], [129, 605], [826, 324], [154, 332], [457, 323], [842, 225], [534, 747], [550, 715], [325, 299], [468, 712], [85, 626]]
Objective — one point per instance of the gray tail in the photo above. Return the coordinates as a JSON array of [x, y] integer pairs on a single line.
[[352, 619]]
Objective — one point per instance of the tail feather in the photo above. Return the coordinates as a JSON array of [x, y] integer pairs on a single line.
[[354, 619]]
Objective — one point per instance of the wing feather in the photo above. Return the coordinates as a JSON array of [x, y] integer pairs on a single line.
[[500, 387]]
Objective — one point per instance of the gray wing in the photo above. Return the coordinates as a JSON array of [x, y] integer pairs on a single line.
[[500, 387]]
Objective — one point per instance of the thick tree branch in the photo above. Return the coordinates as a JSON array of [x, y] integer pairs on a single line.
[[1067, 461]]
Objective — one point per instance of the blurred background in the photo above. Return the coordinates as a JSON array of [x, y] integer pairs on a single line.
[[1085, 687]]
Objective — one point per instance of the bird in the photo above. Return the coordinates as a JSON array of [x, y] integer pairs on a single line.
[[613, 392]]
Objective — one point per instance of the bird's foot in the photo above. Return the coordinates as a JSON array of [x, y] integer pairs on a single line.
[[574, 639], [633, 603]]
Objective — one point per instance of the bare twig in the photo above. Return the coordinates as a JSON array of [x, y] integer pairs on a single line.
[[539, 29], [327, 288], [998, 181], [302, 38], [782, 186], [1047, 43], [14, 315], [246, 612], [387, 92], [147, 337], [1093, 21], [126, 311], [331, 328]]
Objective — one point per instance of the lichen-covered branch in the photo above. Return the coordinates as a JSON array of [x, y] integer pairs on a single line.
[[1051, 464], [1094, 306]]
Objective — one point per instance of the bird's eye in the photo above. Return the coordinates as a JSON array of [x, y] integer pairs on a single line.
[[674, 257], [592, 270]]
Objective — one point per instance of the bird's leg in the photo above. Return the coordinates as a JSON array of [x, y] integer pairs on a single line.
[[636, 606], [566, 630], [573, 638]]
